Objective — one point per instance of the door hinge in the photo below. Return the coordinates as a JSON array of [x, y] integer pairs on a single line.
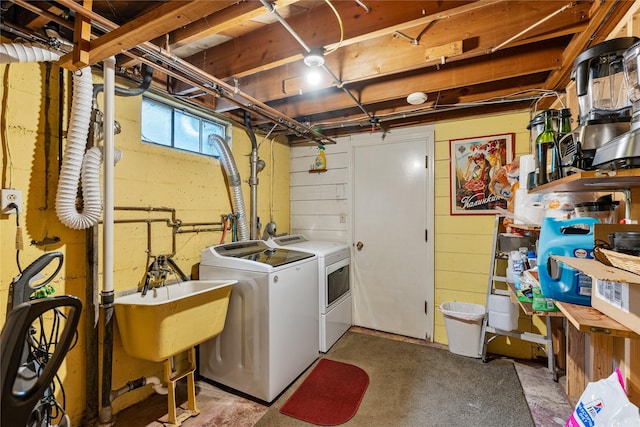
[[426, 162], [426, 308], [426, 235]]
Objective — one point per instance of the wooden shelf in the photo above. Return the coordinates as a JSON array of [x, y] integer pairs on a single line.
[[527, 307], [588, 319], [525, 227], [599, 180]]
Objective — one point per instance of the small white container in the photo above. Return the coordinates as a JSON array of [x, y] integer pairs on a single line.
[[500, 304], [503, 321], [503, 313]]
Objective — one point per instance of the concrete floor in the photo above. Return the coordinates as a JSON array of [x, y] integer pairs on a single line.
[[547, 401]]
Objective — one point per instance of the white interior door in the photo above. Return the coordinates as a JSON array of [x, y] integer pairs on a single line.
[[393, 265]]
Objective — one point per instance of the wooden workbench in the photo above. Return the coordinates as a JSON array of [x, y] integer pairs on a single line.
[[595, 346]]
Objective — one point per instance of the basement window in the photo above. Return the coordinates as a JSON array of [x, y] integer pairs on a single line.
[[173, 124]]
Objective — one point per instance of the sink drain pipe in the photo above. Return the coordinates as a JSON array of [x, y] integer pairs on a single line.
[[107, 294], [137, 383]]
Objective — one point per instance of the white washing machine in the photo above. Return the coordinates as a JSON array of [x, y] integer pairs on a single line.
[[271, 331], [334, 288]]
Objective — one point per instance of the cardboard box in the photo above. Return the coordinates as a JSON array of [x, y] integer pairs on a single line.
[[615, 292]]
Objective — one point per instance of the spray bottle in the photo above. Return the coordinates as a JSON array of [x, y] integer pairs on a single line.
[[321, 160]]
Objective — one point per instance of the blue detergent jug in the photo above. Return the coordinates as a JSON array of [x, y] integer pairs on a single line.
[[565, 237]]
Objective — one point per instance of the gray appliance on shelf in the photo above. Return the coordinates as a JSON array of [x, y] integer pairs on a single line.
[[605, 110], [623, 151], [270, 335]]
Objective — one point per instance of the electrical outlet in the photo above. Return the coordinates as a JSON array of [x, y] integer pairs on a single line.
[[10, 196]]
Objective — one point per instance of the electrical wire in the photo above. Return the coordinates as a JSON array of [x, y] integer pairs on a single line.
[[6, 143], [446, 107], [41, 349], [18, 237], [333, 49]]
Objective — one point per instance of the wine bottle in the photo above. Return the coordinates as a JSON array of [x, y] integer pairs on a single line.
[[544, 142]]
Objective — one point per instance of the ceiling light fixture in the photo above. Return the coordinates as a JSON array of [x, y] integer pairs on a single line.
[[315, 58]]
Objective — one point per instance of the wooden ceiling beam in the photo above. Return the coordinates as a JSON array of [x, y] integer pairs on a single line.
[[40, 21], [219, 22], [501, 65], [82, 38], [159, 21], [388, 55], [273, 44], [445, 99], [432, 117], [602, 21]]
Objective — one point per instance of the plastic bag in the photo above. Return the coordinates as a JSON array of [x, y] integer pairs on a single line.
[[604, 403], [463, 311]]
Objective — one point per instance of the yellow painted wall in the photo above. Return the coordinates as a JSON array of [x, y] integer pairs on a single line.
[[152, 176], [147, 176], [463, 243]]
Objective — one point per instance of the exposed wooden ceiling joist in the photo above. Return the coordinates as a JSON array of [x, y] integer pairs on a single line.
[[459, 52]]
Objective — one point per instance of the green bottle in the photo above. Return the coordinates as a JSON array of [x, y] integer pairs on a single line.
[[563, 138], [544, 142], [565, 123]]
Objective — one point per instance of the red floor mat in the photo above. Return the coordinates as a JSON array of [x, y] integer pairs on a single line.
[[330, 395]]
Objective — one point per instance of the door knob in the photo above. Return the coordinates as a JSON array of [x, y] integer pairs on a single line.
[[359, 246]]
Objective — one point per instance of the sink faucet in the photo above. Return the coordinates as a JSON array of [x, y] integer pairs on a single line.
[[158, 271]]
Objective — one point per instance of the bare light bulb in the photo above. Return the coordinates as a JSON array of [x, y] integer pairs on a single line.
[[314, 77]]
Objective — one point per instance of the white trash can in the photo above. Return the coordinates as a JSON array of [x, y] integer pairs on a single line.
[[464, 326]]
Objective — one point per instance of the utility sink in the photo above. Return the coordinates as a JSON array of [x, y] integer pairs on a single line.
[[173, 318]]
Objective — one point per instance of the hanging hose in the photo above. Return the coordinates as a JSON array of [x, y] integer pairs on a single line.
[[146, 82], [19, 52], [74, 163], [234, 182]]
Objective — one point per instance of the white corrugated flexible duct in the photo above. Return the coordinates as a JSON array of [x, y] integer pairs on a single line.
[[75, 164]]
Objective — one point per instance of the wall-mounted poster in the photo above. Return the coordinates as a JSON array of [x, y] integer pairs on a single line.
[[474, 163]]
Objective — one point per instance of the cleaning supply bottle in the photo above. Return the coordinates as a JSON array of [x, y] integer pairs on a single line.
[[321, 160], [572, 238]]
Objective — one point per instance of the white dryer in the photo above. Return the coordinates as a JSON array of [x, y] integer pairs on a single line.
[[334, 288], [271, 331]]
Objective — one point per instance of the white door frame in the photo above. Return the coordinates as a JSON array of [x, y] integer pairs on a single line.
[[425, 133]]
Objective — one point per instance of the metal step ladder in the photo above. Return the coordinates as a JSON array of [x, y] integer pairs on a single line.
[[498, 285]]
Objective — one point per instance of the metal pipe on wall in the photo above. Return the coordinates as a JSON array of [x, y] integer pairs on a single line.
[[253, 179]]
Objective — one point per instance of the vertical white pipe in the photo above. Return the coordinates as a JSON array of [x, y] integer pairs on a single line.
[[109, 135]]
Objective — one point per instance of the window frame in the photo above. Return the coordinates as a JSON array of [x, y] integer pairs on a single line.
[[201, 114]]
